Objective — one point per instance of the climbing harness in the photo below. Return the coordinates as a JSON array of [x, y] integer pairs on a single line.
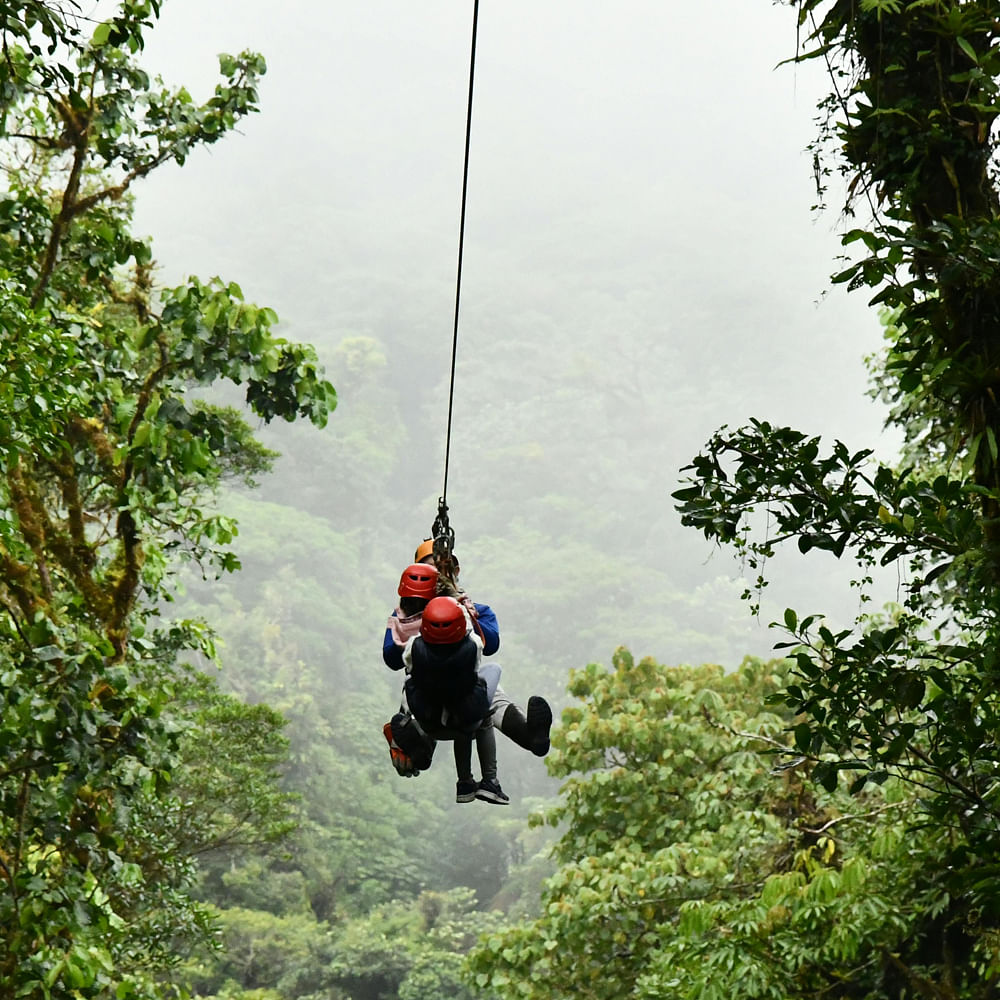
[[442, 533]]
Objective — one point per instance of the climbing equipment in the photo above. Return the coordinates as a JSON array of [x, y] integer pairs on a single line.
[[444, 545], [443, 621], [409, 746], [461, 250], [418, 580]]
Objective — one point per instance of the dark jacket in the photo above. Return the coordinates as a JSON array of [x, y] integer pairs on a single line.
[[392, 653], [444, 688]]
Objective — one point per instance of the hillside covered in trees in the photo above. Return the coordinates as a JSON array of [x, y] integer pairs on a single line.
[[196, 796]]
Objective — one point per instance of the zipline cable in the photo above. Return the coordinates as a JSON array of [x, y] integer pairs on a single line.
[[441, 527]]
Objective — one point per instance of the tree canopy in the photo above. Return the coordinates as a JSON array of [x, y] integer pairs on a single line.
[[909, 121], [697, 859], [109, 459]]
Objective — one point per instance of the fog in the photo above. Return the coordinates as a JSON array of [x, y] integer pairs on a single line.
[[640, 218]]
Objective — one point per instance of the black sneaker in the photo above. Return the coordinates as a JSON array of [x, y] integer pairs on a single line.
[[539, 724], [465, 791], [490, 791]]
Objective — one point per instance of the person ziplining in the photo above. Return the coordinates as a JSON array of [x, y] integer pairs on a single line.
[[439, 636], [440, 699], [449, 694]]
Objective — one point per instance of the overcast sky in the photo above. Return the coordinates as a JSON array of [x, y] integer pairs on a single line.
[[643, 141], [654, 135]]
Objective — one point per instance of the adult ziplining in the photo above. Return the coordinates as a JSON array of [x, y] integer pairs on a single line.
[[439, 636]]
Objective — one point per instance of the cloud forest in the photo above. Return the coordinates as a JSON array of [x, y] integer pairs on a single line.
[[769, 650]]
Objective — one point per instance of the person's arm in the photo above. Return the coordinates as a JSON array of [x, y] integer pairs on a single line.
[[406, 654], [489, 628], [392, 654]]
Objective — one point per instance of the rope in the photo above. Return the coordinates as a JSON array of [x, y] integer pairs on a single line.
[[442, 532], [461, 248]]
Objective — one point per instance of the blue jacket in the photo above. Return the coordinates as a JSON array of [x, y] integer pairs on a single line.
[[393, 654]]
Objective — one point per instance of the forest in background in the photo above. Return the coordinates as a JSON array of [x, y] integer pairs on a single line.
[[822, 825]]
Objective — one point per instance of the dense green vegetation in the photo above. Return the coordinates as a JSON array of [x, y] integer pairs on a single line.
[[695, 864], [119, 764], [194, 791], [680, 875]]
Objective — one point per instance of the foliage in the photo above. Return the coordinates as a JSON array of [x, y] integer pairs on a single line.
[[917, 137], [231, 759], [692, 866], [261, 951], [911, 113], [107, 463], [861, 691], [409, 949]]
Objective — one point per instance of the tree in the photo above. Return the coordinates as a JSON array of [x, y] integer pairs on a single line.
[[698, 861], [109, 461], [911, 112], [410, 949]]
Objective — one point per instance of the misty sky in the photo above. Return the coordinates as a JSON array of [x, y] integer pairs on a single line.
[[650, 147]]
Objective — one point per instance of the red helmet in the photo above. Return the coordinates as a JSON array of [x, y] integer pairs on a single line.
[[418, 580], [443, 621]]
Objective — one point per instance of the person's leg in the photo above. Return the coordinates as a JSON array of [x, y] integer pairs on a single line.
[[486, 748], [531, 731], [499, 704], [490, 673], [486, 745], [410, 746], [463, 757], [466, 788]]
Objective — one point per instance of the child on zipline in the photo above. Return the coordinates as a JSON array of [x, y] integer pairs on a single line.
[[448, 693], [412, 746], [530, 730]]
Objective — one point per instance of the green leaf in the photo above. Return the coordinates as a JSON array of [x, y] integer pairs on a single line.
[[964, 45]]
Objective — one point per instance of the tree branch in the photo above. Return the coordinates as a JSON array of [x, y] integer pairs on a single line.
[[841, 819], [79, 133]]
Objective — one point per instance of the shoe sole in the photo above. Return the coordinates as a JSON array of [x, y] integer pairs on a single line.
[[539, 716], [493, 799], [469, 797]]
